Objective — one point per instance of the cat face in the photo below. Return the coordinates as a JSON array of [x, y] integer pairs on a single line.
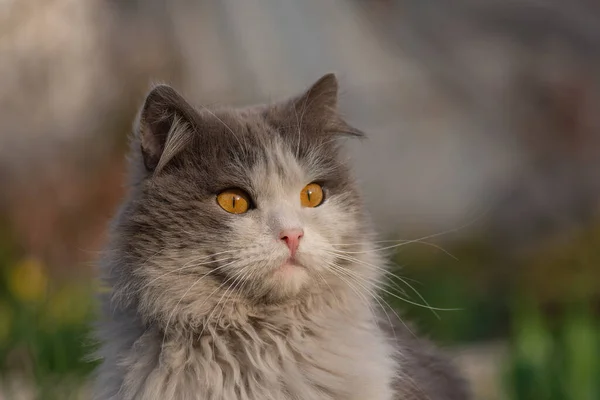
[[253, 203]]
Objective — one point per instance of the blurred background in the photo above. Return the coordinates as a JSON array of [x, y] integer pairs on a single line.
[[484, 143]]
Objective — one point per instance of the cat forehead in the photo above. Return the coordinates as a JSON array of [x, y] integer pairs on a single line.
[[280, 171], [242, 149], [259, 127], [260, 161], [249, 137]]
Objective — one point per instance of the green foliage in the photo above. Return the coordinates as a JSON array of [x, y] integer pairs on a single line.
[[44, 327], [554, 359], [465, 283], [539, 301]]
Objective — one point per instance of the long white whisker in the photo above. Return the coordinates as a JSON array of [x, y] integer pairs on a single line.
[[446, 232], [420, 240], [235, 286], [403, 242], [356, 260], [207, 322], [369, 291], [377, 298], [357, 277], [404, 299], [361, 296], [235, 278], [329, 286], [388, 274], [187, 291], [184, 267]]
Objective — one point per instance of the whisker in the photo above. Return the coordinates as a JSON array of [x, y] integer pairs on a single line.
[[145, 262], [402, 298], [329, 286], [184, 267], [378, 297], [185, 294], [403, 243], [388, 274], [240, 283], [233, 287], [207, 322], [128, 295], [235, 278], [356, 291], [420, 240], [370, 292], [354, 259]]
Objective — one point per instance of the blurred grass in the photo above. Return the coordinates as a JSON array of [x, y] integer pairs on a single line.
[[549, 318], [44, 324], [543, 302], [554, 358]]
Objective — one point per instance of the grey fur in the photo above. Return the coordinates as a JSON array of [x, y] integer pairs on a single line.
[[198, 308]]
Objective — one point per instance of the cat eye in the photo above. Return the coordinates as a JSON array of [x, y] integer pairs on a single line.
[[234, 201], [312, 195]]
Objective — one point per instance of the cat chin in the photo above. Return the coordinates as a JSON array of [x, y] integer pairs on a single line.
[[287, 281]]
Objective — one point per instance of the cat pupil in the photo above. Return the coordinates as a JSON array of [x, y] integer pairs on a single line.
[[233, 202], [308, 194]]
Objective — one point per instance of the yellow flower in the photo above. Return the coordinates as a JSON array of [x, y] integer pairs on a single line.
[[28, 280]]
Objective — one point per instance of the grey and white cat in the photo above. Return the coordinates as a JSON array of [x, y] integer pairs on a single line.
[[242, 265]]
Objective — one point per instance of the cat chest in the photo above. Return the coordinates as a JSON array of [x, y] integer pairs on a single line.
[[273, 367]]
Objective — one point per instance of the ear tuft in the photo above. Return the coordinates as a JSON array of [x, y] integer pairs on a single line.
[[164, 112]]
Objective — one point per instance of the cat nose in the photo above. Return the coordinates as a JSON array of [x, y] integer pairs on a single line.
[[291, 237]]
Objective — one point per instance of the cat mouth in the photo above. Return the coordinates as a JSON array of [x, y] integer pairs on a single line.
[[289, 265]]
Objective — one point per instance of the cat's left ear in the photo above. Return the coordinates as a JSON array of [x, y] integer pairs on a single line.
[[165, 123], [318, 106]]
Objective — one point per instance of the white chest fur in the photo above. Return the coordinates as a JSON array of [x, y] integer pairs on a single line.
[[324, 361]]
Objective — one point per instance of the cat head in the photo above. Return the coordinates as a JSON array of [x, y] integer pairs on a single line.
[[251, 203]]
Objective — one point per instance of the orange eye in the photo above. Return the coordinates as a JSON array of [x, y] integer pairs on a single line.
[[311, 195], [234, 201]]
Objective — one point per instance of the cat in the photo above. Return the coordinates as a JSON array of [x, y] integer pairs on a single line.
[[242, 264]]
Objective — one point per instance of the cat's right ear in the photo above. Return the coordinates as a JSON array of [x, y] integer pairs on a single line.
[[163, 124]]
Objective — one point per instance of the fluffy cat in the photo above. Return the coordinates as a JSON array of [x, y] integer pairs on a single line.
[[242, 266]]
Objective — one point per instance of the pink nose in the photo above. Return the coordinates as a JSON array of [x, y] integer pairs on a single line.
[[291, 237]]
